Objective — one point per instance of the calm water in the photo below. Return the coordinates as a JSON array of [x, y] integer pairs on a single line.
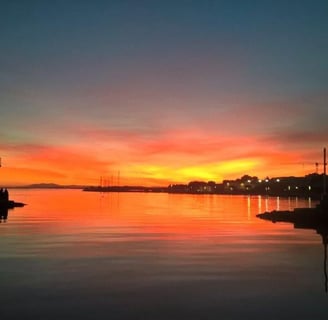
[[69, 254]]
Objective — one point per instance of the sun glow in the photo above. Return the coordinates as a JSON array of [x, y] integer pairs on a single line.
[[239, 166], [157, 161]]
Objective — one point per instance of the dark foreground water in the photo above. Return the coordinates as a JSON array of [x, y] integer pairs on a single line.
[[75, 255]]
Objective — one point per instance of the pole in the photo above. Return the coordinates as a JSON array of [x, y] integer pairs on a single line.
[[324, 171]]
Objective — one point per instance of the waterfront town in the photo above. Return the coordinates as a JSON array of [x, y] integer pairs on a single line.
[[308, 186]]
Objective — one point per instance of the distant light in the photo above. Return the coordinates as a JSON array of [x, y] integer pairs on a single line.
[[309, 187], [288, 187], [249, 181], [266, 180], [260, 180], [278, 180], [296, 187]]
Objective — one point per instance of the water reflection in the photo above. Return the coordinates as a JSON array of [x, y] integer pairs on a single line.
[[323, 232], [3, 213], [155, 256], [305, 223], [266, 203]]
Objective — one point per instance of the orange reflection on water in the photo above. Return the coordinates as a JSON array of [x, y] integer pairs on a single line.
[[170, 215]]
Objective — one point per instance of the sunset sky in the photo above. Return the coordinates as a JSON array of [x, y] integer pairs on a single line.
[[161, 91]]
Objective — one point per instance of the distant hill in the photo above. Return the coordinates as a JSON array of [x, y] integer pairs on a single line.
[[49, 186]]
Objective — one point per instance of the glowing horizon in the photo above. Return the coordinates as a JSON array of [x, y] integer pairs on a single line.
[[151, 162]]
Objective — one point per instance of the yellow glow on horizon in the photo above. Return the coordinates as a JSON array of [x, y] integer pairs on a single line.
[[242, 165], [195, 172], [185, 174], [159, 163]]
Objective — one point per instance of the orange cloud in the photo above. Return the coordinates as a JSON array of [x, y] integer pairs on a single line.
[[40, 163], [151, 157]]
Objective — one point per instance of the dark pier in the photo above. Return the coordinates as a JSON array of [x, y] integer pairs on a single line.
[[5, 202]]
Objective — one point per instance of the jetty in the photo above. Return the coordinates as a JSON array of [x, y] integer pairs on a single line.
[[313, 218], [308, 218], [5, 202], [10, 204]]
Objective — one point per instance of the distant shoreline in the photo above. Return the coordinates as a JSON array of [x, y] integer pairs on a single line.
[[46, 186], [127, 189], [142, 189], [310, 186]]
